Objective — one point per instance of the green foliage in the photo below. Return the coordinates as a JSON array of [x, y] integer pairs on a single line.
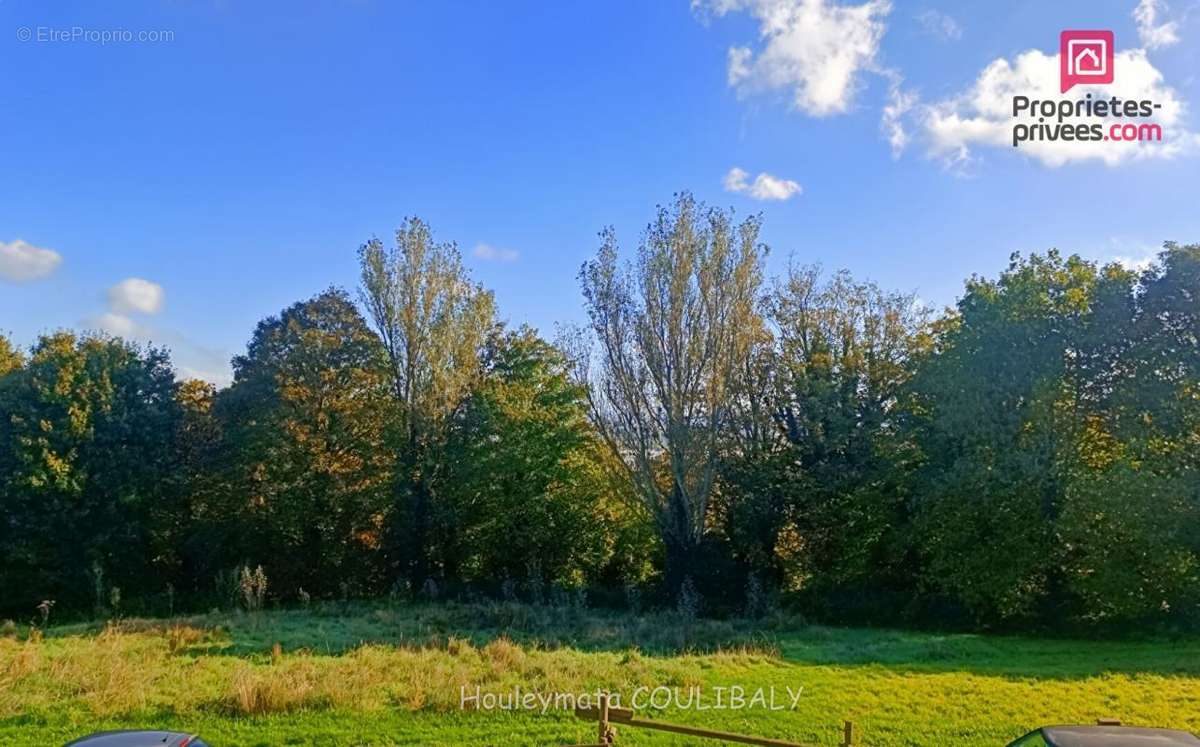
[[307, 473], [525, 484], [1029, 458], [433, 322], [1134, 535], [195, 517], [83, 466], [1055, 415], [814, 478]]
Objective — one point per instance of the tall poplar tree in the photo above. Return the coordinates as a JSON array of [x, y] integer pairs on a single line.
[[433, 321], [670, 332]]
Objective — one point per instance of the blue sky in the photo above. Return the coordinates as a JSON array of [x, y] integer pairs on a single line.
[[233, 155]]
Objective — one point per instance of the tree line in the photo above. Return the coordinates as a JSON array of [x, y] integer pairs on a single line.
[[1029, 457]]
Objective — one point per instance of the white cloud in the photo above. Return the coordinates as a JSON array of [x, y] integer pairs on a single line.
[[900, 103], [21, 262], [118, 325], [735, 180], [938, 24], [813, 49], [136, 295], [764, 187], [981, 116], [489, 253], [1153, 33]]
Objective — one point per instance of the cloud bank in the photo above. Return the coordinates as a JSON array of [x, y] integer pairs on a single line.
[[21, 262], [813, 50]]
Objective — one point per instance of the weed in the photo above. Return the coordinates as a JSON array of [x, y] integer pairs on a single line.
[[253, 587], [180, 637], [44, 609]]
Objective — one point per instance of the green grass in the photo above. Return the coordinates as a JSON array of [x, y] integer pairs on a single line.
[[356, 675]]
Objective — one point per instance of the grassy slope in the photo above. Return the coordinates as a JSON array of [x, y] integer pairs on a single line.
[[351, 676]]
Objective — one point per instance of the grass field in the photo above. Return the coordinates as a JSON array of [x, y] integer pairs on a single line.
[[355, 675]]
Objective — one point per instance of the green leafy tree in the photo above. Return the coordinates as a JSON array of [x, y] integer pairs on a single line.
[[817, 497], [1009, 397], [1134, 531], [846, 350], [85, 456], [305, 420], [524, 483], [1161, 393], [433, 322], [1132, 514]]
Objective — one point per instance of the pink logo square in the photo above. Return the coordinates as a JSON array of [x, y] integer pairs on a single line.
[[1085, 57]]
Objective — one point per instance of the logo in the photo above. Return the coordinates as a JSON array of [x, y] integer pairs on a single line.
[[1085, 57]]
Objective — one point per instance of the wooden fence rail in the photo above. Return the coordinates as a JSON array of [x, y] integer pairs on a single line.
[[606, 715]]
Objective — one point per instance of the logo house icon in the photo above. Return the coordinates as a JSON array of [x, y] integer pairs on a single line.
[[1085, 57]]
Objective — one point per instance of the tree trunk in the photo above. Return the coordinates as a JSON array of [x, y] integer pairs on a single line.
[[418, 532], [681, 562], [682, 549]]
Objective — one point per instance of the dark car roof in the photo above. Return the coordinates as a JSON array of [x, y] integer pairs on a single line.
[[1117, 736], [133, 739]]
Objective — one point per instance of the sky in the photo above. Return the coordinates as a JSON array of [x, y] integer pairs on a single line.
[[173, 171]]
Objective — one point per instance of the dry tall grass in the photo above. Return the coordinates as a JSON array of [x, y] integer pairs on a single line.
[[199, 665]]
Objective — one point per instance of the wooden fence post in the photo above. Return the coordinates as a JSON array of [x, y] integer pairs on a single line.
[[847, 734], [606, 734]]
